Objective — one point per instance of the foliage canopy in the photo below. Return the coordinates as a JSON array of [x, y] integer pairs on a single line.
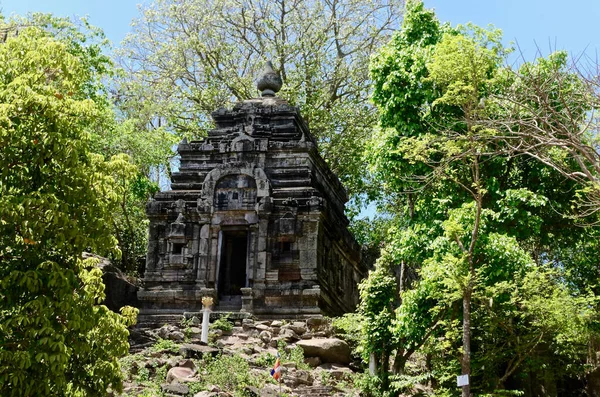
[[56, 198]]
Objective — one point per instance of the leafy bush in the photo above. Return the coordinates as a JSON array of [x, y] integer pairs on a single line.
[[165, 344], [223, 324], [349, 328], [231, 373]]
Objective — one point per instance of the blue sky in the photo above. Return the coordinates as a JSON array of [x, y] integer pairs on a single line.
[[570, 25]]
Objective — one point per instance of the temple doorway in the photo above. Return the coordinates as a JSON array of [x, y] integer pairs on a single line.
[[232, 267]]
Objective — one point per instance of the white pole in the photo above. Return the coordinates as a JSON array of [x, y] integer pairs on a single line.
[[372, 364], [205, 320]]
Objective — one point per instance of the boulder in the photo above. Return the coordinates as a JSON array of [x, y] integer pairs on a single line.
[[180, 375], [118, 290], [329, 350], [190, 350]]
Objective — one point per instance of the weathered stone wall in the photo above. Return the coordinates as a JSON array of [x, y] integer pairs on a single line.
[[255, 218]]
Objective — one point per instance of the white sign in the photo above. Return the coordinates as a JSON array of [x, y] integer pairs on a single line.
[[462, 380]]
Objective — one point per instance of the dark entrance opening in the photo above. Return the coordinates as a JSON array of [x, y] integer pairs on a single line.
[[232, 268]]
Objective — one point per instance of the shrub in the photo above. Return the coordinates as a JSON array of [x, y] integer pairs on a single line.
[[223, 324]]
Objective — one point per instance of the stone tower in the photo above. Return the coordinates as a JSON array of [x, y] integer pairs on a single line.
[[255, 218]]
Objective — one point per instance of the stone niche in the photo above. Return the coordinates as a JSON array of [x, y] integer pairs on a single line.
[[255, 219]]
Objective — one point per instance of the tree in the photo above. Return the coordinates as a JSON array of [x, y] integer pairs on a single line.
[[463, 201], [56, 198], [549, 112], [112, 134], [185, 59], [146, 153]]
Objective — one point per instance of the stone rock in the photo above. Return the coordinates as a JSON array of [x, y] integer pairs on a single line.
[[262, 327], [288, 335], [187, 364], [316, 322], [205, 394], [195, 321], [313, 362], [265, 336], [176, 336], [165, 330], [195, 331], [156, 354], [336, 371], [253, 333], [190, 350], [298, 378], [174, 361], [330, 350], [276, 324], [175, 388], [213, 388], [251, 391], [272, 390], [155, 363], [118, 290], [180, 375], [217, 332], [289, 365], [298, 327], [141, 338]]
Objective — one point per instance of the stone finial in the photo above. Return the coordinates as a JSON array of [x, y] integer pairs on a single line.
[[270, 81]]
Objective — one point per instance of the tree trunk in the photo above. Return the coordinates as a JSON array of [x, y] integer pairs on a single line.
[[399, 362]]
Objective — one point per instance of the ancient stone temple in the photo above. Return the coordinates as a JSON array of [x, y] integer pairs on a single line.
[[255, 218]]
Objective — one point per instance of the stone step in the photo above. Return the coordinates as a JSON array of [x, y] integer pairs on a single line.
[[229, 308], [157, 318]]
